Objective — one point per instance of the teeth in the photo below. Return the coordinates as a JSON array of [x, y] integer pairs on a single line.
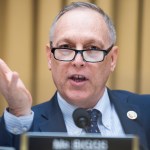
[[78, 78]]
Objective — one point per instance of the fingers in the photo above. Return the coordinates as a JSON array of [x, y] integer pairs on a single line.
[[13, 89], [14, 79], [5, 76], [6, 72], [3, 67]]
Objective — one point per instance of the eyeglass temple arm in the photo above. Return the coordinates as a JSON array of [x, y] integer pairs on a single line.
[[109, 49], [51, 44]]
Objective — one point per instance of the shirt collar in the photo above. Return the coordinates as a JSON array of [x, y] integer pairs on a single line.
[[103, 105], [67, 111], [66, 108]]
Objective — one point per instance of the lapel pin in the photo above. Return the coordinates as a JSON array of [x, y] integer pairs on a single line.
[[131, 114]]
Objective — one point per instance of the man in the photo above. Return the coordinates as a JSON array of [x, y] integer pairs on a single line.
[[81, 56]]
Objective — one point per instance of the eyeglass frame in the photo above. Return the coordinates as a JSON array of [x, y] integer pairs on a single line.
[[106, 52]]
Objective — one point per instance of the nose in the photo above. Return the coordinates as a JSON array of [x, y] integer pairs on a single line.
[[78, 61]]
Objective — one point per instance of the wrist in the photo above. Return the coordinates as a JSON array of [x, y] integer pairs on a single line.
[[19, 112]]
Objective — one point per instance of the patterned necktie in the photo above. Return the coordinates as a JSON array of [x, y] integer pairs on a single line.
[[94, 115]]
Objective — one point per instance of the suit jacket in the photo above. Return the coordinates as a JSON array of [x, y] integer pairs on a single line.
[[48, 118]]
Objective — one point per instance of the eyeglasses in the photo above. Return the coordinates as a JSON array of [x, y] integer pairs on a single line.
[[88, 55]]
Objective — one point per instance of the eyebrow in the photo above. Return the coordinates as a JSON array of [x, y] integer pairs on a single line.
[[87, 41]]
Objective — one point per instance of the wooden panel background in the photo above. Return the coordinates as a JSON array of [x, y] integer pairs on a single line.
[[24, 27]]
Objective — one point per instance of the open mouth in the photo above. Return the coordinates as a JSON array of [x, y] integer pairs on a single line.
[[78, 78]]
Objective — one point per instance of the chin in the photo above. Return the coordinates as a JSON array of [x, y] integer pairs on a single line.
[[78, 100]]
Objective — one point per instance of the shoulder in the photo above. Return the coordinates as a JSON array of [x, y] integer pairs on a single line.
[[140, 100], [128, 94]]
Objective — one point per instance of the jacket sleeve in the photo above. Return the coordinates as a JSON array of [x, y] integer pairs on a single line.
[[6, 138]]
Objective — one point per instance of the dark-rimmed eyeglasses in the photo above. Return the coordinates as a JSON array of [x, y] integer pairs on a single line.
[[88, 55]]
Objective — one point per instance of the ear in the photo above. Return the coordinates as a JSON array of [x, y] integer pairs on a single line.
[[114, 56], [48, 53]]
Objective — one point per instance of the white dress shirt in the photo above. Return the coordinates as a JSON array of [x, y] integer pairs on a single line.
[[110, 126]]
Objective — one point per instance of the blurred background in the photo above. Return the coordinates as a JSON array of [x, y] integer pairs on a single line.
[[24, 32]]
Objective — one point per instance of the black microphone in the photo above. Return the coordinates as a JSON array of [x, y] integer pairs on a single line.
[[81, 118]]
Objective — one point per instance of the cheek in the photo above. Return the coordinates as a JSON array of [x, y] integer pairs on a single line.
[[58, 73], [102, 73]]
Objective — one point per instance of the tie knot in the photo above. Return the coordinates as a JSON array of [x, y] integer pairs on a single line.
[[94, 115]]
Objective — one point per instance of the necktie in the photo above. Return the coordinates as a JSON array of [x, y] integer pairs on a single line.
[[94, 115]]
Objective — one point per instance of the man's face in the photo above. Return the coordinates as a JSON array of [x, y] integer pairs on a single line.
[[81, 83]]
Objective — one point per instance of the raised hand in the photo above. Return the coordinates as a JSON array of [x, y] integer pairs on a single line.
[[12, 88]]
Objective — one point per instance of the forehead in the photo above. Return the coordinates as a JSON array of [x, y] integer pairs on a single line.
[[81, 24]]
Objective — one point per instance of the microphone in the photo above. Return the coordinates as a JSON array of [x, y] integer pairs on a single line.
[[81, 118]]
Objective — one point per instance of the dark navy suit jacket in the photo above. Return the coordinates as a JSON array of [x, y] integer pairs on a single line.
[[48, 118]]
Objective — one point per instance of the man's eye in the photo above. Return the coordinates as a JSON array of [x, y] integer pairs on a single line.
[[65, 46], [93, 48]]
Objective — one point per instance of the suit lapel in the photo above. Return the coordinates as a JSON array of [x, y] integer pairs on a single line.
[[51, 118], [130, 126]]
